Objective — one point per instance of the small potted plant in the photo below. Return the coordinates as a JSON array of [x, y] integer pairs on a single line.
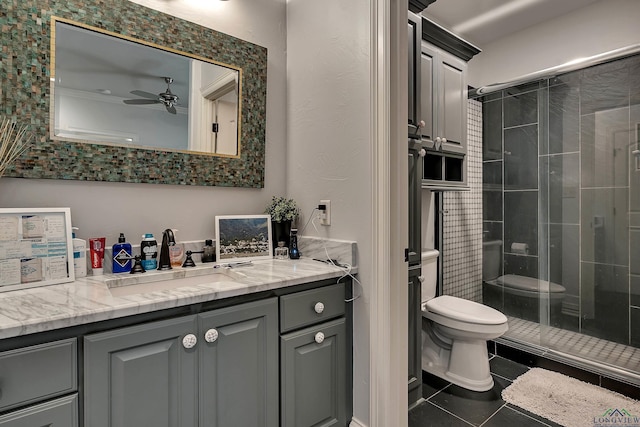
[[283, 213]]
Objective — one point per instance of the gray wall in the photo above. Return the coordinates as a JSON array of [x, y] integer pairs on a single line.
[[597, 28]]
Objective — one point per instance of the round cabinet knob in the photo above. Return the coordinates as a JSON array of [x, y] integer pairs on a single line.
[[211, 335], [422, 152], [421, 278], [319, 307], [189, 341], [444, 140], [438, 139], [319, 337]]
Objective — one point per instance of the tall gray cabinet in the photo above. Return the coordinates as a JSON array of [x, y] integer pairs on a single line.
[[437, 127], [216, 368]]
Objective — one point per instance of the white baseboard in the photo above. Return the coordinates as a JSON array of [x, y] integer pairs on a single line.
[[356, 423]]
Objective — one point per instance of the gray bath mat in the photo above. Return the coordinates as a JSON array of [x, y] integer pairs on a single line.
[[571, 402]]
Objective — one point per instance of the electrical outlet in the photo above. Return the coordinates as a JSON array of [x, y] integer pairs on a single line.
[[325, 216]]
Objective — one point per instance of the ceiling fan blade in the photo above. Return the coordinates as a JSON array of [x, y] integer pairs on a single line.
[[140, 101], [144, 94], [171, 109]]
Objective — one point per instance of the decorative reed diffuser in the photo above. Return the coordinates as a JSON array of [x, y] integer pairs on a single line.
[[14, 140]]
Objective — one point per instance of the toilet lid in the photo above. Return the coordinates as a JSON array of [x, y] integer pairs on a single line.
[[529, 284], [465, 310]]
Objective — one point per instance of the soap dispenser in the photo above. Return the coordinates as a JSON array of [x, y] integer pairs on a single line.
[[121, 255]]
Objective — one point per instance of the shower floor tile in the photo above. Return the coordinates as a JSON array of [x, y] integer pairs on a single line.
[[605, 352]]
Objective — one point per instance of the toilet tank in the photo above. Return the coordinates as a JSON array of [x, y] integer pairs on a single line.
[[429, 274], [491, 257]]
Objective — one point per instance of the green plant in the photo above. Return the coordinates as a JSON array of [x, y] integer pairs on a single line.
[[282, 209]]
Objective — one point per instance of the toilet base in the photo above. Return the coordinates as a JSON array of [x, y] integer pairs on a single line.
[[465, 363]]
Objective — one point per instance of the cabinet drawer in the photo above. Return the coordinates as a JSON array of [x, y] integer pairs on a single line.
[[301, 309], [61, 412], [39, 372]]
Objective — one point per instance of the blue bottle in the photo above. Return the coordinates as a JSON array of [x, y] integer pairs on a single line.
[[294, 253], [122, 256]]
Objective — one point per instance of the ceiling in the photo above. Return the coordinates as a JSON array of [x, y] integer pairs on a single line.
[[482, 21]]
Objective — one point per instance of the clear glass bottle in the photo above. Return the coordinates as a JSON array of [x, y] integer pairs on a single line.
[[208, 251], [282, 252]]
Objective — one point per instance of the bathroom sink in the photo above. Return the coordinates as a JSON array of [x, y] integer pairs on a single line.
[[169, 280]]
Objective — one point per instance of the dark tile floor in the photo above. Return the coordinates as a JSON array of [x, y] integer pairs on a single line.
[[450, 405]]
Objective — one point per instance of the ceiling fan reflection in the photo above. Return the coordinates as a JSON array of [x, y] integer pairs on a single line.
[[168, 99]]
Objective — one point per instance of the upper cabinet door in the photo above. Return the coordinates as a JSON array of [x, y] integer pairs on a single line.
[[452, 117], [427, 98], [414, 34]]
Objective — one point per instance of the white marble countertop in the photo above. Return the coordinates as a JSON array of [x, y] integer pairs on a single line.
[[98, 298]]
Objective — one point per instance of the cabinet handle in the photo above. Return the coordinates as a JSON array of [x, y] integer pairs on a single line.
[[422, 152], [421, 278], [211, 335], [444, 140], [189, 341], [319, 337], [319, 307]]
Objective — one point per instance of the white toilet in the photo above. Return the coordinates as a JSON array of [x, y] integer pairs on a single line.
[[455, 333]]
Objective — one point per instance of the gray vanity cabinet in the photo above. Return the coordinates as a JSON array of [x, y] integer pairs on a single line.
[[314, 359], [214, 369]]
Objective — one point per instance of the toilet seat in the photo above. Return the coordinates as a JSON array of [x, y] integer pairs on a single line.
[[465, 311]]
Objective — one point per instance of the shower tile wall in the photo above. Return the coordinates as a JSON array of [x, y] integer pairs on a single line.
[[560, 177], [462, 242]]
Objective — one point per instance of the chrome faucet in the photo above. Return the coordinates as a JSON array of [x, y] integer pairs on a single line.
[[164, 262]]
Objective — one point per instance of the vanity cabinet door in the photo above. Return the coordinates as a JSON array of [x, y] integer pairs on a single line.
[[142, 375], [313, 376], [239, 365]]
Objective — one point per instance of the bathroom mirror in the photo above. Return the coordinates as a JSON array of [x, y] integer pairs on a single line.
[[114, 90], [28, 94]]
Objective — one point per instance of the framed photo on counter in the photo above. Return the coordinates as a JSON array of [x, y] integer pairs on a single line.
[[241, 238], [35, 248]]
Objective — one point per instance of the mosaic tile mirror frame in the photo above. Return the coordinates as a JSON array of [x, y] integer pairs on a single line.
[[25, 55]]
